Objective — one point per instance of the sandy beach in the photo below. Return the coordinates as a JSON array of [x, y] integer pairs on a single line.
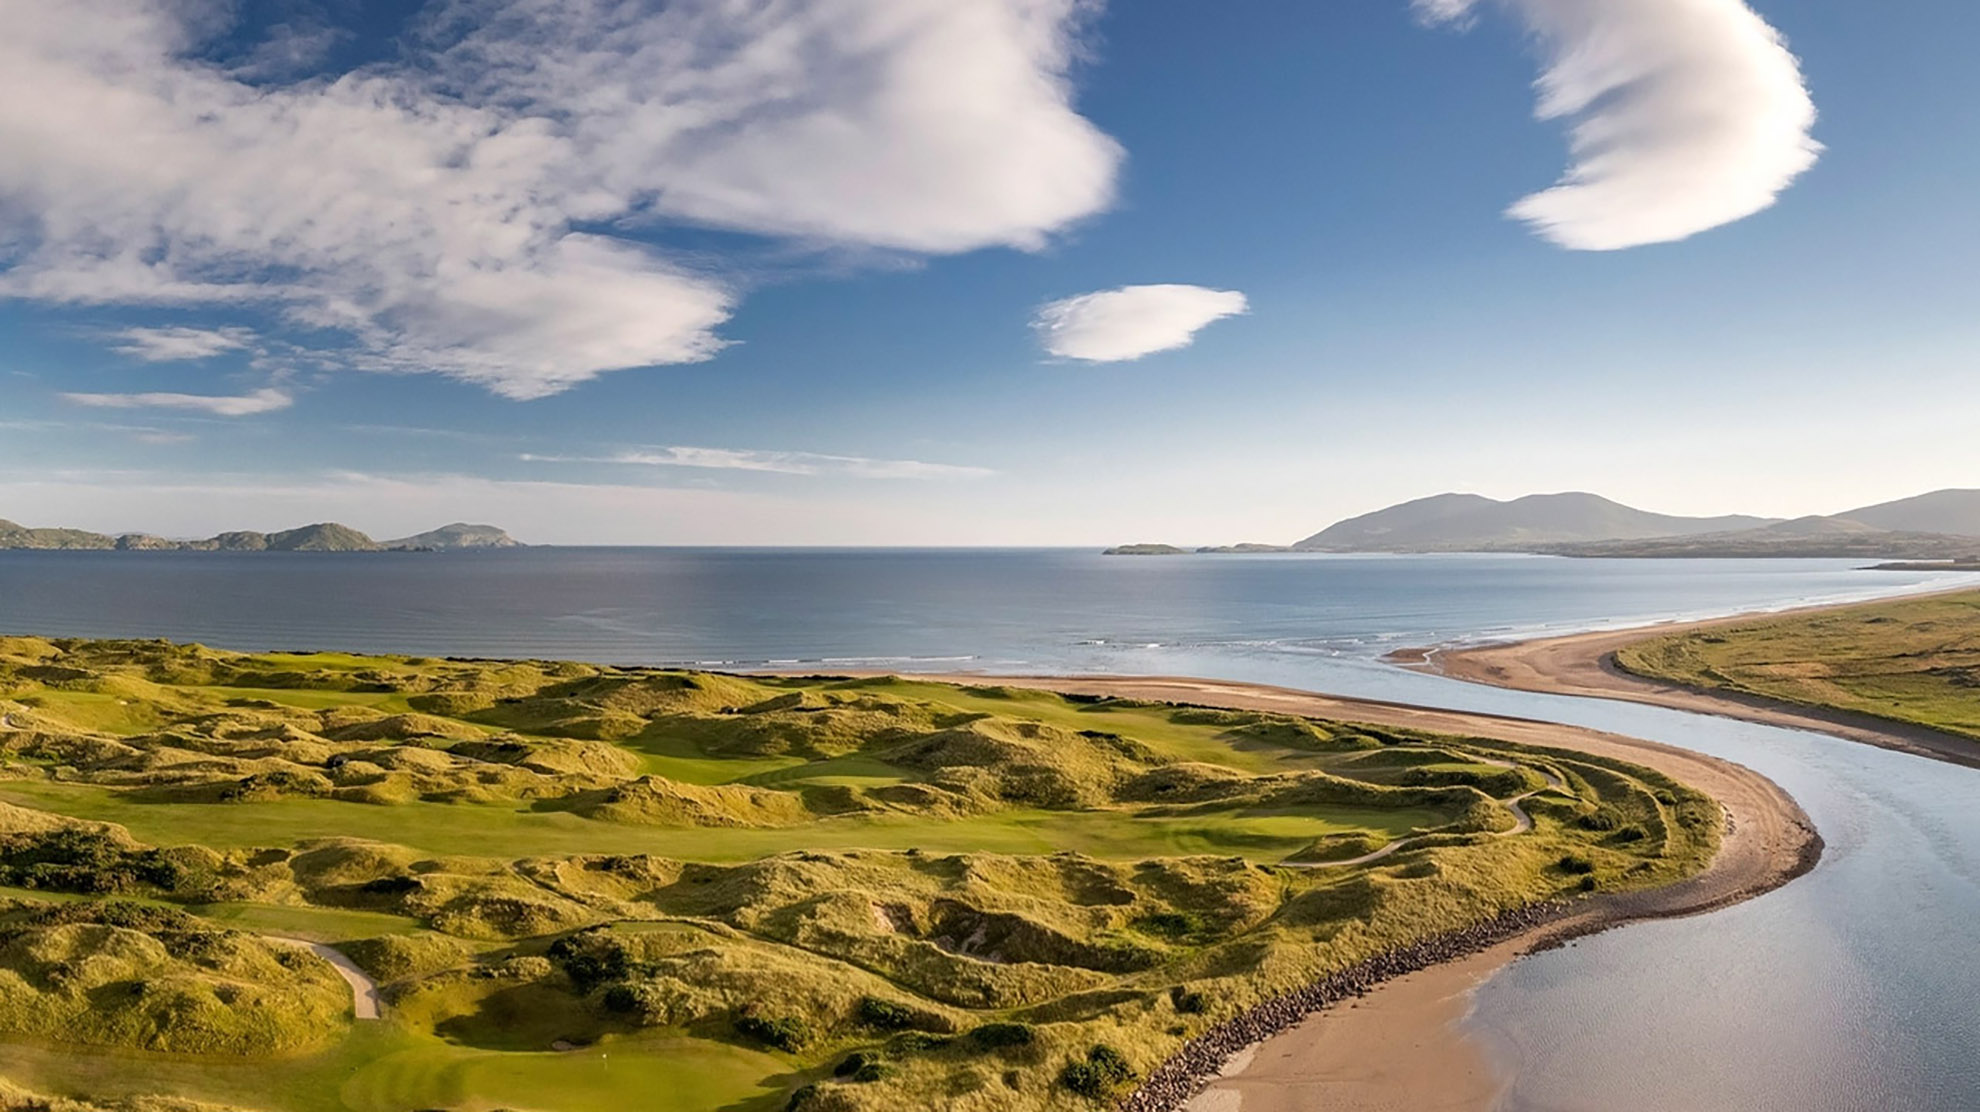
[[1584, 664], [1398, 1048]]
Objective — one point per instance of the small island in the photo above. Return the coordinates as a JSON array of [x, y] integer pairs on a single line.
[[1247, 549]]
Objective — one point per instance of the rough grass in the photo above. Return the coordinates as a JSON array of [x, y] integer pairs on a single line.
[[585, 886], [125, 975], [1914, 660]]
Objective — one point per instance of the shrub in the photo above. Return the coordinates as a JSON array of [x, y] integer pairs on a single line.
[[590, 958], [1187, 1001], [1103, 1071], [1576, 864], [786, 1033], [1170, 924], [1631, 833], [854, 1062], [996, 1036], [884, 1014]]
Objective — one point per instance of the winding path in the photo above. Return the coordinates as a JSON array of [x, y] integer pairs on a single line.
[[366, 1000], [1522, 822]]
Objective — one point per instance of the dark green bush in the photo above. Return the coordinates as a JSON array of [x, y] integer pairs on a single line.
[[855, 1062], [590, 958], [1576, 864], [786, 1033], [884, 1014], [996, 1036], [1187, 1001], [1103, 1071], [1170, 924]]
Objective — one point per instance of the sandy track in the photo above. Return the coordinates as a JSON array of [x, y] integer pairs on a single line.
[[1397, 1048], [366, 1000]]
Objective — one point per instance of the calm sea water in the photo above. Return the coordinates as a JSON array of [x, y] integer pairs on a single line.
[[1853, 988]]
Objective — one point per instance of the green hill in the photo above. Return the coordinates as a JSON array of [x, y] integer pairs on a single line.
[[455, 536]]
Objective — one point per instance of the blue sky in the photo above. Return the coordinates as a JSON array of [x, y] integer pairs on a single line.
[[345, 260]]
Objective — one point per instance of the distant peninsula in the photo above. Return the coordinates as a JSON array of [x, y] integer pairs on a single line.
[[1942, 527], [323, 537], [1173, 550]]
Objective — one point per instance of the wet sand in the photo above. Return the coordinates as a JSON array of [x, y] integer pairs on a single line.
[[1398, 1049]]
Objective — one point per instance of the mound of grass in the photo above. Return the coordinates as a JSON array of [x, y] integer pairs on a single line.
[[116, 975], [656, 801]]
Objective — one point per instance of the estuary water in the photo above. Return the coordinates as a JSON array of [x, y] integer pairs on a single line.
[[1853, 988]]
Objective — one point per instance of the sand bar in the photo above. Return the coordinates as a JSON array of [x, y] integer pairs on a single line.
[[1584, 664]]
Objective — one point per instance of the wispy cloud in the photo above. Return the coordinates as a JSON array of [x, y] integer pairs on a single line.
[[428, 206], [222, 405], [179, 344], [1116, 325], [1685, 115], [782, 463]]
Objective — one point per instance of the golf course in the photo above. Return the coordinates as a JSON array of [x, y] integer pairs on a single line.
[[577, 887]]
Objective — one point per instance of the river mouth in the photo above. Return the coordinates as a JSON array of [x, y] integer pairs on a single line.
[[1845, 990]]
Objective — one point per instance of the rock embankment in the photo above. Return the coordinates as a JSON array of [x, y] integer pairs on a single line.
[[1201, 1060]]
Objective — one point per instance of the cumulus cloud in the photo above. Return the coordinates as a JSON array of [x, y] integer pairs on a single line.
[[1127, 323], [483, 205], [782, 463], [223, 405], [173, 345], [1685, 115]]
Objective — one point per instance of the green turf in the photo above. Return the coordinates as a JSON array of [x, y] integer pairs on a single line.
[[488, 829], [1912, 660]]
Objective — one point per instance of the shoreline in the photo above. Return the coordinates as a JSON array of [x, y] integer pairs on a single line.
[[1584, 664], [1396, 1045]]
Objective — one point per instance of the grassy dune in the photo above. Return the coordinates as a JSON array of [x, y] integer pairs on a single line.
[[1913, 660], [596, 888]]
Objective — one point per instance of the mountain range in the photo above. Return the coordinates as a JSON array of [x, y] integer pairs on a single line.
[[1470, 522], [323, 537], [1943, 525]]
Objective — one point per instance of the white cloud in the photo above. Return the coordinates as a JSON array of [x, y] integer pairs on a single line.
[[430, 206], [782, 463], [1686, 115], [226, 405], [171, 345], [1133, 321]]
